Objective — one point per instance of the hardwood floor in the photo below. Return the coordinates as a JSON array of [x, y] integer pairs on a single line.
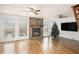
[[45, 45]]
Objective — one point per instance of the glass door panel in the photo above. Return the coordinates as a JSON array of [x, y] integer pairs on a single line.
[[9, 28], [22, 27]]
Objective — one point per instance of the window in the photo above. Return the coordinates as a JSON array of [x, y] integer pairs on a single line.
[[13, 27], [22, 27], [9, 28]]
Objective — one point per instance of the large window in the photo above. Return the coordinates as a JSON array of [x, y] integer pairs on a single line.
[[13, 27], [23, 27], [9, 28]]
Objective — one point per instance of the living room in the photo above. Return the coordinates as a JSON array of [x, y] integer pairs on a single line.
[[27, 28]]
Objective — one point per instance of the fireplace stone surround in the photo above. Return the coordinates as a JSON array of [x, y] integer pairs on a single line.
[[36, 27]]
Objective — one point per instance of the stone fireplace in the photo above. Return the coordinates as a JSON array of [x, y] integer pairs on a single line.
[[36, 27]]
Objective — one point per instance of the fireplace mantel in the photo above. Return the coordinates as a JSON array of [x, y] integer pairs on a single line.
[[36, 25]]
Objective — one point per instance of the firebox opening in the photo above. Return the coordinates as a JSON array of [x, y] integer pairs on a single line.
[[36, 32]]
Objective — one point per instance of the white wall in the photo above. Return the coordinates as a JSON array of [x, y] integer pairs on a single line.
[[68, 34], [48, 23]]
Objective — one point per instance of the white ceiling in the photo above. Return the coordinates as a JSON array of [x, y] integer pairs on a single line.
[[47, 10]]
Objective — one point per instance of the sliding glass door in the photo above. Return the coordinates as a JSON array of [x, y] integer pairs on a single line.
[[22, 28], [9, 28], [14, 27]]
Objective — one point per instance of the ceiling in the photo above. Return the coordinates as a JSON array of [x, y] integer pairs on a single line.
[[47, 10]]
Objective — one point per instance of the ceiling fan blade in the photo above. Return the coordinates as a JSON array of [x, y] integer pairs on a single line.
[[31, 9], [36, 13], [37, 10]]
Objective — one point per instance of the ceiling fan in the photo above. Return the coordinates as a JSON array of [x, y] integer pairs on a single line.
[[32, 10]]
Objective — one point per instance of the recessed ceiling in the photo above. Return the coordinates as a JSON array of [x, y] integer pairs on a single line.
[[47, 10]]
